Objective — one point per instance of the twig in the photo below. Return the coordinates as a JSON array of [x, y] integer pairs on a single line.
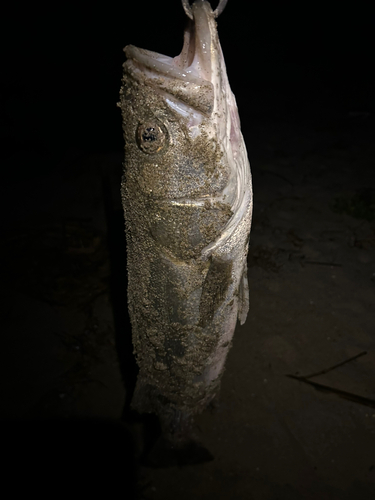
[[278, 175], [343, 394], [334, 366]]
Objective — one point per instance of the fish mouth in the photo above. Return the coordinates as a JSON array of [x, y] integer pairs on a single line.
[[189, 77]]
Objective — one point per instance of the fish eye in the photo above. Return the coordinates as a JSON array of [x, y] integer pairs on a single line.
[[151, 136]]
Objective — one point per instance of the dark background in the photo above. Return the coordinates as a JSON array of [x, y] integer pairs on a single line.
[[302, 73], [62, 65]]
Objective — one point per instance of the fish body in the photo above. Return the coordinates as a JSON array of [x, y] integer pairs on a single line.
[[187, 200]]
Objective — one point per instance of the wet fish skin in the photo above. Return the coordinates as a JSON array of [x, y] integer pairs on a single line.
[[187, 201]]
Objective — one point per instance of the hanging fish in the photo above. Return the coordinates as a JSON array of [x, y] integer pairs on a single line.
[[187, 200]]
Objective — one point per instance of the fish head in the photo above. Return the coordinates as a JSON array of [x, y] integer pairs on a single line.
[[183, 143]]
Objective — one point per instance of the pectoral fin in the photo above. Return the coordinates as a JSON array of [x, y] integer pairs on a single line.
[[215, 289]]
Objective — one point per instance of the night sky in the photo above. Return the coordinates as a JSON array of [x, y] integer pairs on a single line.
[[62, 67]]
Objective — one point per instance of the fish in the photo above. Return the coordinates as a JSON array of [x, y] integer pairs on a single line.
[[187, 198]]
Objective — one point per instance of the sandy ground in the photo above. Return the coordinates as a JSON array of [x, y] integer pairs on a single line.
[[66, 346]]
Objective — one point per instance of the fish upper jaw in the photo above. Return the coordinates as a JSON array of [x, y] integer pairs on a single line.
[[189, 80]]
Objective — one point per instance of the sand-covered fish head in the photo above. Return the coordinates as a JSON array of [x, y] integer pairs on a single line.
[[181, 123]]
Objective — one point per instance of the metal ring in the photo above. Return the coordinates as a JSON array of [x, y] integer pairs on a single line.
[[219, 9]]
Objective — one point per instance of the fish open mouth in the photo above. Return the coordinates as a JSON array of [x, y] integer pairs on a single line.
[[189, 77]]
